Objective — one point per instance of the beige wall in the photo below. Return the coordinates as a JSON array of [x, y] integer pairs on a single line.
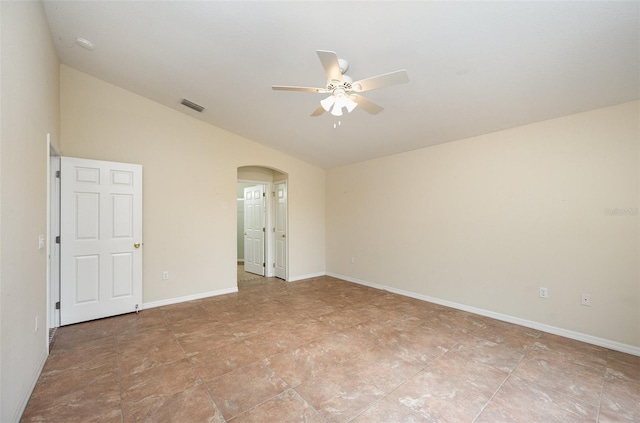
[[484, 222], [190, 172], [30, 109]]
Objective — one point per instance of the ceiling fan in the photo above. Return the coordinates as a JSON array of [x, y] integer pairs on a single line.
[[344, 93]]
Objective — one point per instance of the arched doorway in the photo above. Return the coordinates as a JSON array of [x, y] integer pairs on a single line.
[[262, 247]]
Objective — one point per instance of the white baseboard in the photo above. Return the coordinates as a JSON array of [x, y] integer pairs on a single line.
[[309, 276], [177, 300], [25, 400], [578, 336]]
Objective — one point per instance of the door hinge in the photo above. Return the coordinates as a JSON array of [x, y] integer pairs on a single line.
[[274, 265], [58, 239], [264, 194], [57, 173], [263, 230], [58, 305], [264, 265]]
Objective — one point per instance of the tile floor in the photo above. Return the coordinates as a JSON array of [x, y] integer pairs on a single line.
[[325, 350]]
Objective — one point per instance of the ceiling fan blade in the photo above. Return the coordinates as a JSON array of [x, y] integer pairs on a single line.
[[366, 104], [329, 60], [380, 81], [318, 111], [305, 89]]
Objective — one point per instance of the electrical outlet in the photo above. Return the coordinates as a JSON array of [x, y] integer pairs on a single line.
[[40, 242], [36, 323], [543, 293], [585, 300], [353, 260], [165, 276]]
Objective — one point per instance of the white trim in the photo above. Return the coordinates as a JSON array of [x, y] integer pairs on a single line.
[[274, 202], [53, 229], [309, 276], [48, 244], [186, 298], [578, 336]]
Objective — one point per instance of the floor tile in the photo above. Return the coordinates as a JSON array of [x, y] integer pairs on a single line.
[[390, 410], [77, 394], [624, 366], [216, 362], [423, 344], [451, 388], [522, 401], [69, 385], [344, 345], [342, 319], [192, 405], [194, 326], [287, 407], [377, 367], [301, 364], [555, 371], [272, 342], [578, 352], [339, 396], [135, 357], [165, 379], [75, 335], [201, 342], [310, 329], [500, 356], [100, 352], [244, 388], [620, 401], [136, 325]]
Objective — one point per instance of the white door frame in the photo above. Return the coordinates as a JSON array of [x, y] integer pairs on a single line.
[[269, 222], [286, 228], [53, 230]]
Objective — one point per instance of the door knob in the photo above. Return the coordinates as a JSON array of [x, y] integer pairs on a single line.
[[137, 245], [284, 235]]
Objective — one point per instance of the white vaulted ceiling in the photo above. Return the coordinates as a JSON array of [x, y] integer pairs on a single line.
[[474, 67]]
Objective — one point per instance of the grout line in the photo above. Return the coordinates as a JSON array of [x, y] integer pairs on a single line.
[[604, 379], [502, 384], [119, 375]]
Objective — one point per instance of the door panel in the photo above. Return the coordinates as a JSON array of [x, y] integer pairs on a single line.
[[122, 215], [254, 226], [86, 283], [101, 220], [122, 264]]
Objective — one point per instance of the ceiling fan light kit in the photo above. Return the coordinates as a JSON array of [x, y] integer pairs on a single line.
[[344, 93]]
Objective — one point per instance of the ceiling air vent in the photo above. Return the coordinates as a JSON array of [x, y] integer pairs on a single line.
[[190, 104]]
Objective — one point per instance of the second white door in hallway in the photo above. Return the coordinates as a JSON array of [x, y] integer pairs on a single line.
[[254, 229]]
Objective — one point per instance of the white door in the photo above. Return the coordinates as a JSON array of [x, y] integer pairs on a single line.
[[101, 239], [280, 230], [254, 229]]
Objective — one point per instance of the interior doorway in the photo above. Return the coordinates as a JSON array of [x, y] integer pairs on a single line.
[[262, 223], [53, 231]]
